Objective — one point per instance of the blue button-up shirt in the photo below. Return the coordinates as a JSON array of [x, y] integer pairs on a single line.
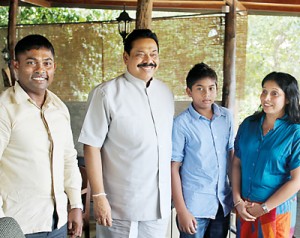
[[202, 146], [266, 161]]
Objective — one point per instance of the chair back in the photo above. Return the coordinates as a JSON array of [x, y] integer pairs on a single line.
[[9, 228], [86, 199]]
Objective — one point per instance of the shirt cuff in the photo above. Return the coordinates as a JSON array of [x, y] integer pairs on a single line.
[[79, 205]]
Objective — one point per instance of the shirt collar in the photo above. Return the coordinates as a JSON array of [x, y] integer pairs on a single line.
[[216, 111], [22, 96], [278, 122], [134, 80]]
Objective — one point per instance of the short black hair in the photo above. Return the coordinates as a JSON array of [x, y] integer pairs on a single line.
[[200, 71], [33, 42], [139, 34]]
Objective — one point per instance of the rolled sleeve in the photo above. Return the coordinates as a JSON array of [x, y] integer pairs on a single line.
[[178, 143]]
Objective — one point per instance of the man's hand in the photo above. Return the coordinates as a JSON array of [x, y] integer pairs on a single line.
[[102, 211], [75, 223]]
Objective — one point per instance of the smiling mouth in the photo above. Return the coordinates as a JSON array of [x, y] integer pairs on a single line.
[[267, 105], [39, 79]]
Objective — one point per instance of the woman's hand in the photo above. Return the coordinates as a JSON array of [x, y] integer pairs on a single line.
[[242, 209], [255, 210]]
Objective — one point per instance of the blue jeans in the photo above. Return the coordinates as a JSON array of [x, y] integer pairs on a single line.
[[55, 233], [211, 228]]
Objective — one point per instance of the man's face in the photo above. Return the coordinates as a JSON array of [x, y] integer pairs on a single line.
[[35, 70], [143, 60]]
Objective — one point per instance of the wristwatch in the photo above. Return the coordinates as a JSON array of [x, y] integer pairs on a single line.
[[265, 208]]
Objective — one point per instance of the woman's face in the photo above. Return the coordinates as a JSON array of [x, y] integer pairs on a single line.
[[273, 99]]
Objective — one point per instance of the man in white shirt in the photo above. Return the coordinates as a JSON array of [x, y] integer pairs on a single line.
[[38, 165], [127, 135]]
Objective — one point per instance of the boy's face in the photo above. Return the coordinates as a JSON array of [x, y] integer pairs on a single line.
[[203, 93], [35, 70]]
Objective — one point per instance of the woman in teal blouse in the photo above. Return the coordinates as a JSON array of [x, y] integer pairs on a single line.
[[266, 166]]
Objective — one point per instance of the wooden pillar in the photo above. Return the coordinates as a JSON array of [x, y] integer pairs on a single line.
[[11, 36], [229, 83], [144, 14]]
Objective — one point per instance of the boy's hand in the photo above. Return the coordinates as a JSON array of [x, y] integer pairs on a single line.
[[187, 222]]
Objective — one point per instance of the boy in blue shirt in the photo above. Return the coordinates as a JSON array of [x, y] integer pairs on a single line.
[[202, 151]]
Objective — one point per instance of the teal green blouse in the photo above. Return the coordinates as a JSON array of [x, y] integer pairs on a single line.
[[266, 161]]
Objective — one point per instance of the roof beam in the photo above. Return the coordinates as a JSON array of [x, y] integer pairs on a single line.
[[273, 1], [40, 3], [271, 8], [157, 4], [192, 5], [238, 5]]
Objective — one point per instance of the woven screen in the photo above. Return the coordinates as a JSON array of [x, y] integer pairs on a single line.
[[90, 53]]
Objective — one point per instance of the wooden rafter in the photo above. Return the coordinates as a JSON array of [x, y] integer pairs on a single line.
[[157, 4], [269, 7], [238, 5], [274, 1], [40, 3]]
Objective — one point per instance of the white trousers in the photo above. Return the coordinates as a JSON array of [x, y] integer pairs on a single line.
[[134, 229]]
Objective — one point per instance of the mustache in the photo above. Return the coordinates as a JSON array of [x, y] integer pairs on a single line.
[[146, 64], [40, 75]]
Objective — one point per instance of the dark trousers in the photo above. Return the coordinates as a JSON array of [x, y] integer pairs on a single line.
[[211, 228], [55, 233]]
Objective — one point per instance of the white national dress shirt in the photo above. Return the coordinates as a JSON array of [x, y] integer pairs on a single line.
[[132, 124]]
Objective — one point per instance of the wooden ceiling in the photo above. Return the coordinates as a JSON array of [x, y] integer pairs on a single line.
[[269, 7]]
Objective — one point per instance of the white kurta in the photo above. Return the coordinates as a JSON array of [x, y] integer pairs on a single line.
[[132, 124]]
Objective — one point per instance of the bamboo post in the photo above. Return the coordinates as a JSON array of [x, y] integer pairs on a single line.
[[11, 36], [144, 14], [229, 82]]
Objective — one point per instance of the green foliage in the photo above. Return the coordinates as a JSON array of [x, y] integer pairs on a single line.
[[3, 16], [273, 45], [39, 15]]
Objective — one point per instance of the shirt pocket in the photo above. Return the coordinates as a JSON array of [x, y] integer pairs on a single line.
[[127, 129]]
